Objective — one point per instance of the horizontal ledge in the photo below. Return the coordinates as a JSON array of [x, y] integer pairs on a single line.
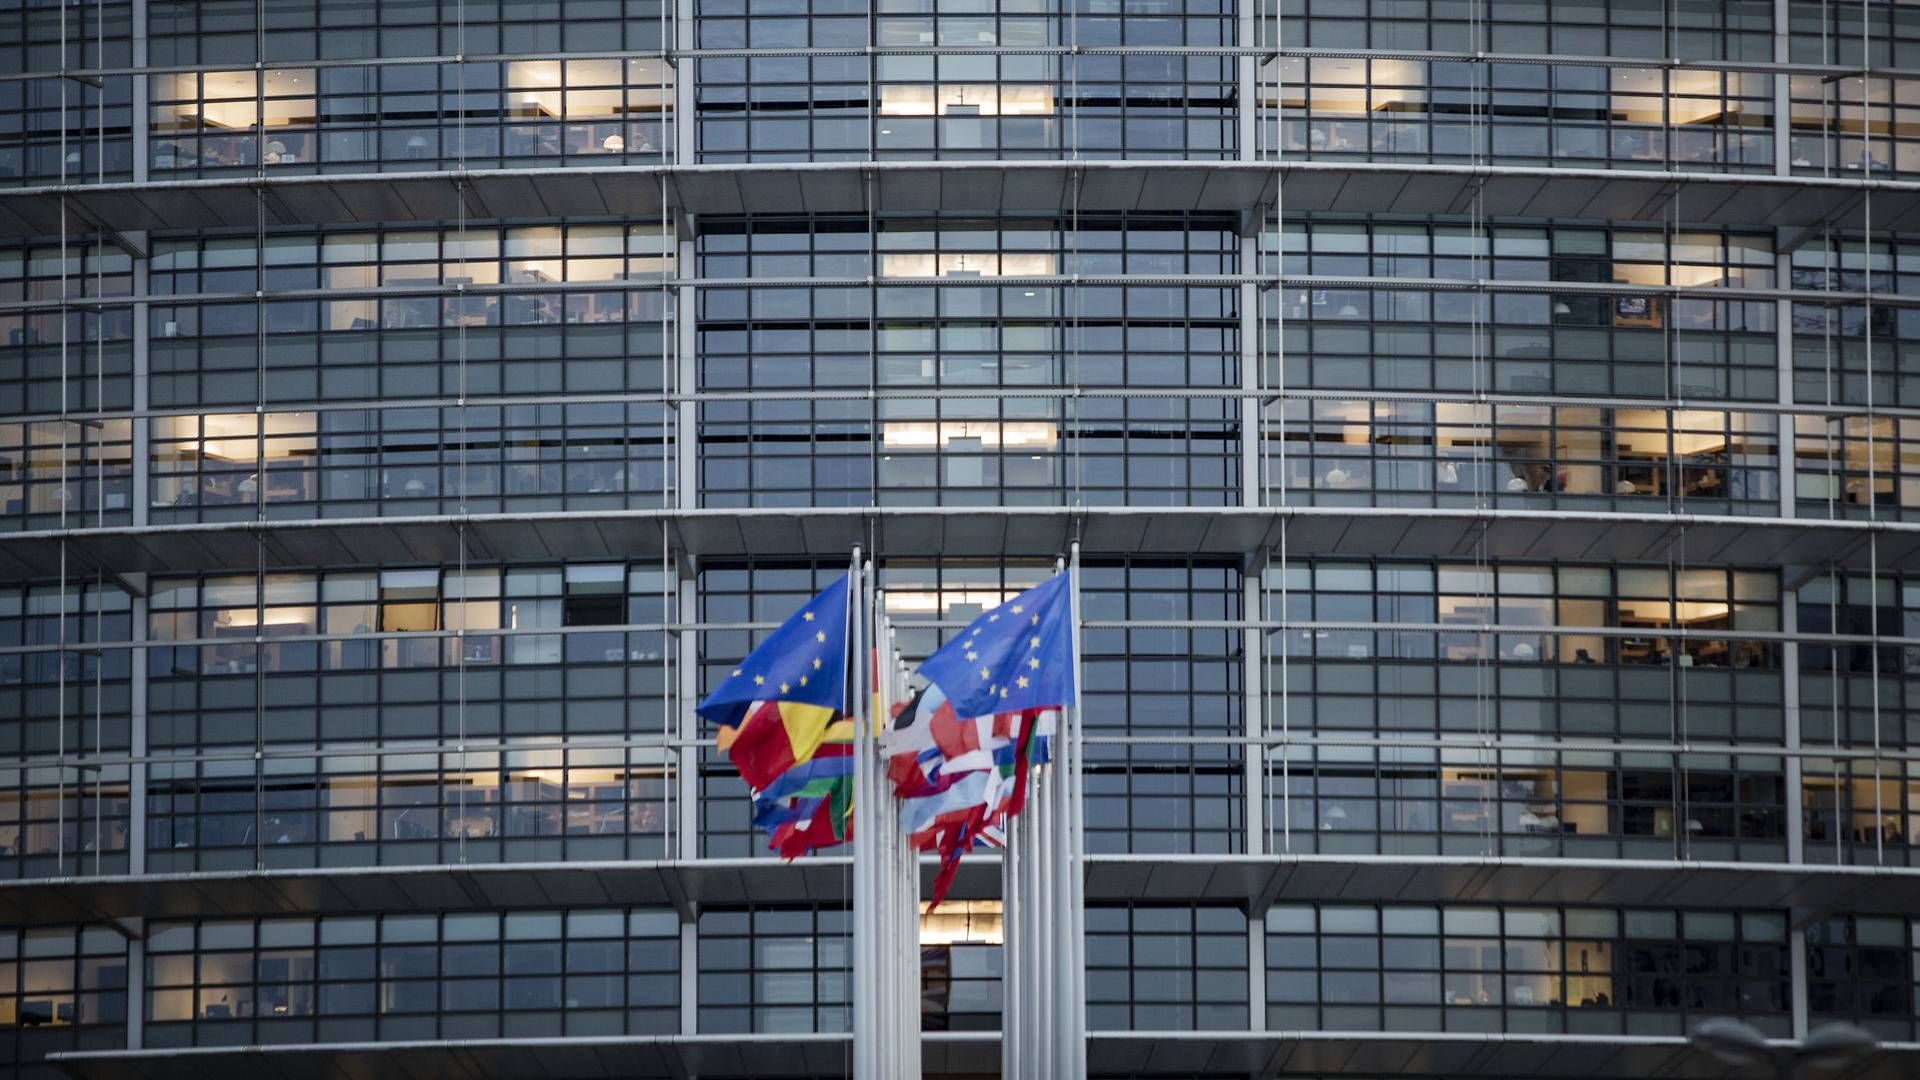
[[1001, 188], [987, 532], [672, 55], [1253, 882], [1269, 395], [626, 1058], [1443, 1054], [1823, 298], [1140, 1053]]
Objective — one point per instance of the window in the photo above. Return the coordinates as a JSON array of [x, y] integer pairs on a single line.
[[774, 970], [419, 116], [1166, 968], [525, 974], [1861, 969], [1538, 970], [60, 978], [1528, 803]]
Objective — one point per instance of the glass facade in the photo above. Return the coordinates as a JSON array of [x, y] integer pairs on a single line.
[[1491, 431]]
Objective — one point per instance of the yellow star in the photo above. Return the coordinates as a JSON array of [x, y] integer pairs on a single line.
[[976, 632], [785, 687], [816, 663], [807, 615], [1021, 682], [1034, 663], [759, 680], [736, 673], [1036, 620], [1035, 644], [819, 635], [971, 655], [983, 673], [1017, 609], [803, 680], [993, 618], [1003, 695]]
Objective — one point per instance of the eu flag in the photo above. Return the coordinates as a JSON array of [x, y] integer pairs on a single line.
[[804, 662], [1018, 656]]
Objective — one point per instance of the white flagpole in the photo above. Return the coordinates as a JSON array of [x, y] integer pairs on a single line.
[[1059, 1035], [1010, 952], [917, 1063], [1076, 905], [886, 994], [865, 1038], [909, 911], [1049, 942]]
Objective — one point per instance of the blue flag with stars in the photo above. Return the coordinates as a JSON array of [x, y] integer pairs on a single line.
[[803, 662], [1017, 656]]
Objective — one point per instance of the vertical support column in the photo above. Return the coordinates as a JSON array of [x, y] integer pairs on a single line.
[[141, 497], [1251, 487], [142, 392], [136, 989], [1783, 375], [683, 83], [686, 756], [1790, 705], [1782, 98], [137, 742], [686, 437], [1797, 963], [1795, 823], [1253, 706], [1247, 68], [1257, 972], [141, 117], [689, 978]]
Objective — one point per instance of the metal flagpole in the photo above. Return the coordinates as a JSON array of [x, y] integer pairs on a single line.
[[1058, 956], [910, 914], [1043, 919], [863, 1005], [1010, 952], [1022, 848], [909, 907], [1076, 791], [879, 845]]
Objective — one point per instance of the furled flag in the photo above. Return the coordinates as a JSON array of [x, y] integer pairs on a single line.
[[959, 752], [784, 722]]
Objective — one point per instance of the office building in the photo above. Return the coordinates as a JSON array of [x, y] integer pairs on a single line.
[[1493, 431]]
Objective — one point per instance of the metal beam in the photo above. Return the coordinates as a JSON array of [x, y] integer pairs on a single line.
[[998, 532], [1249, 881], [999, 189]]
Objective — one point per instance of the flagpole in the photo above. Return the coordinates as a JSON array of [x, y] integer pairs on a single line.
[[862, 1005], [910, 903], [1055, 799], [1010, 951], [1045, 912], [884, 997], [1077, 838], [910, 882]]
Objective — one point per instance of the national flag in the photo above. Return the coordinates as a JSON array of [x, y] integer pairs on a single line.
[[1014, 657], [804, 661], [783, 714], [912, 727], [962, 749]]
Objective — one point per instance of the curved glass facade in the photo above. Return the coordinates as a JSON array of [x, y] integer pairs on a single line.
[[1492, 431]]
